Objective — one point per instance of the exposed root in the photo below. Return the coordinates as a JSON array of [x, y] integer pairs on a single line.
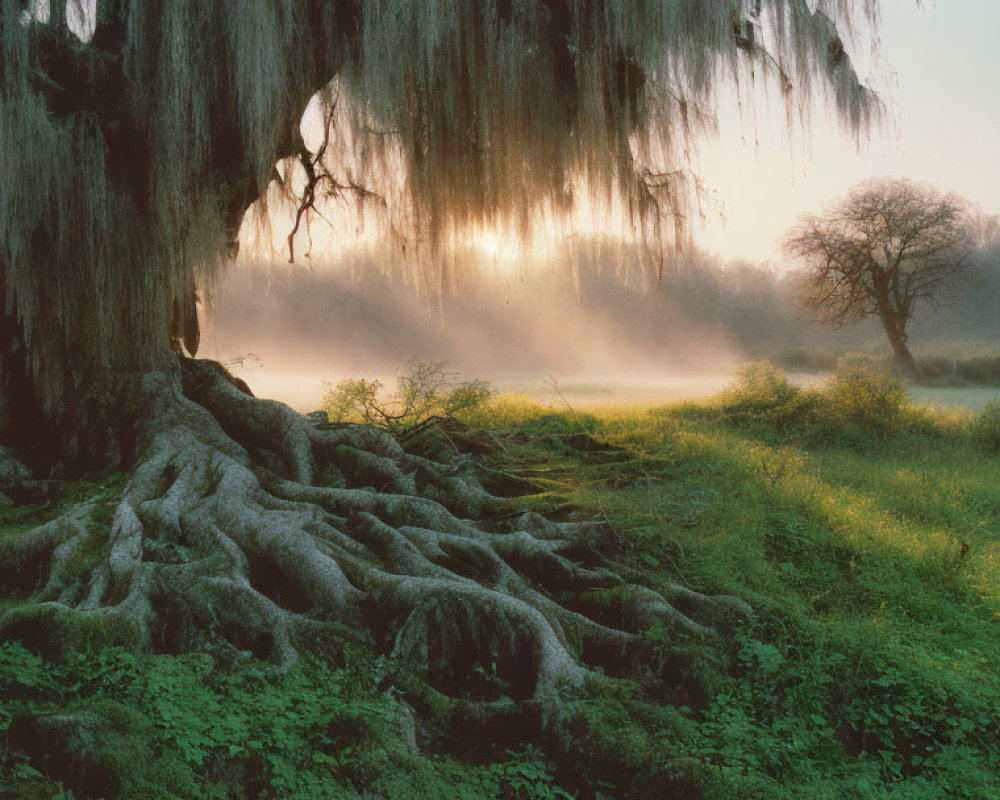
[[223, 529]]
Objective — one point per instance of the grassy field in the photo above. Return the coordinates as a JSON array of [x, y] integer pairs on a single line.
[[864, 532], [866, 536]]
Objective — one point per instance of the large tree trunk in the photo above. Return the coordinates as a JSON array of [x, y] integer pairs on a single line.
[[87, 427], [271, 530]]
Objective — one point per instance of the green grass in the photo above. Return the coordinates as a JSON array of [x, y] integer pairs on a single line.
[[871, 558]]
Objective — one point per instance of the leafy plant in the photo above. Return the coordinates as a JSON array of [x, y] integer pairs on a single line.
[[861, 405], [985, 427], [863, 394], [525, 774], [423, 389], [762, 394]]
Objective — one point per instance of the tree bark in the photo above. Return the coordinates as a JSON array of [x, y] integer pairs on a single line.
[[903, 357], [895, 332], [894, 325]]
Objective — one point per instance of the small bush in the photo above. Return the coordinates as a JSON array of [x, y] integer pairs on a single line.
[[861, 403], [862, 393], [985, 427], [353, 400], [762, 394], [423, 389]]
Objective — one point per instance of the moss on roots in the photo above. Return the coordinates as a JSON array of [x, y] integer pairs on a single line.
[[222, 528]]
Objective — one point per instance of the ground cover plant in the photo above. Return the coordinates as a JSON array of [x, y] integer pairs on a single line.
[[868, 555]]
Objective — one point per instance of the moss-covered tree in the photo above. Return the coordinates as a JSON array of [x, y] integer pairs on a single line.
[[135, 137]]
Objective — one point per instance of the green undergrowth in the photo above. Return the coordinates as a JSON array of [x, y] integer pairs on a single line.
[[99, 493], [184, 727], [864, 531]]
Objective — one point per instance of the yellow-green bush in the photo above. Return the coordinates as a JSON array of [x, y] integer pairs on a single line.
[[862, 393], [423, 389], [985, 427], [861, 402], [762, 394]]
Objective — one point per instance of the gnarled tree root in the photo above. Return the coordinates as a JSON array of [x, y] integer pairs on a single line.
[[222, 527]]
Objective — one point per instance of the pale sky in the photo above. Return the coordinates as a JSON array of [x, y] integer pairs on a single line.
[[942, 68]]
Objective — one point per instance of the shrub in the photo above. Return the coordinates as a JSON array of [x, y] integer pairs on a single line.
[[423, 389], [862, 393], [862, 402], [985, 427], [762, 394], [353, 400]]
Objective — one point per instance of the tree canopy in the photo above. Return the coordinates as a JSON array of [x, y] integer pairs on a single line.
[[886, 248], [135, 134]]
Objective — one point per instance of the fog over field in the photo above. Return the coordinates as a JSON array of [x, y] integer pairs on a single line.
[[609, 335], [597, 320]]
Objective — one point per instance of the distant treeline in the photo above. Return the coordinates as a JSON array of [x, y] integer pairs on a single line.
[[592, 305]]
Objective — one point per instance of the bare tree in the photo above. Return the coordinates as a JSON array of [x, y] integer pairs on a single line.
[[888, 247]]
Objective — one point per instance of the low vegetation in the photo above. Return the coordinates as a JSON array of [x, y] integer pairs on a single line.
[[861, 400], [423, 389], [961, 367], [861, 529]]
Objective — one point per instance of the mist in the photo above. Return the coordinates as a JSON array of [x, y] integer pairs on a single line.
[[596, 320]]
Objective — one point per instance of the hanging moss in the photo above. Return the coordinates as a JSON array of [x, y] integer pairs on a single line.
[[129, 154]]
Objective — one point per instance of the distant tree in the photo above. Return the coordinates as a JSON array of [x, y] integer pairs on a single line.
[[888, 247]]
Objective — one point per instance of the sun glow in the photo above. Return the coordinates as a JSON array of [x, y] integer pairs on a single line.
[[498, 246], [490, 243]]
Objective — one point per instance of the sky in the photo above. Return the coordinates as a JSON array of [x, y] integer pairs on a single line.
[[940, 73]]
